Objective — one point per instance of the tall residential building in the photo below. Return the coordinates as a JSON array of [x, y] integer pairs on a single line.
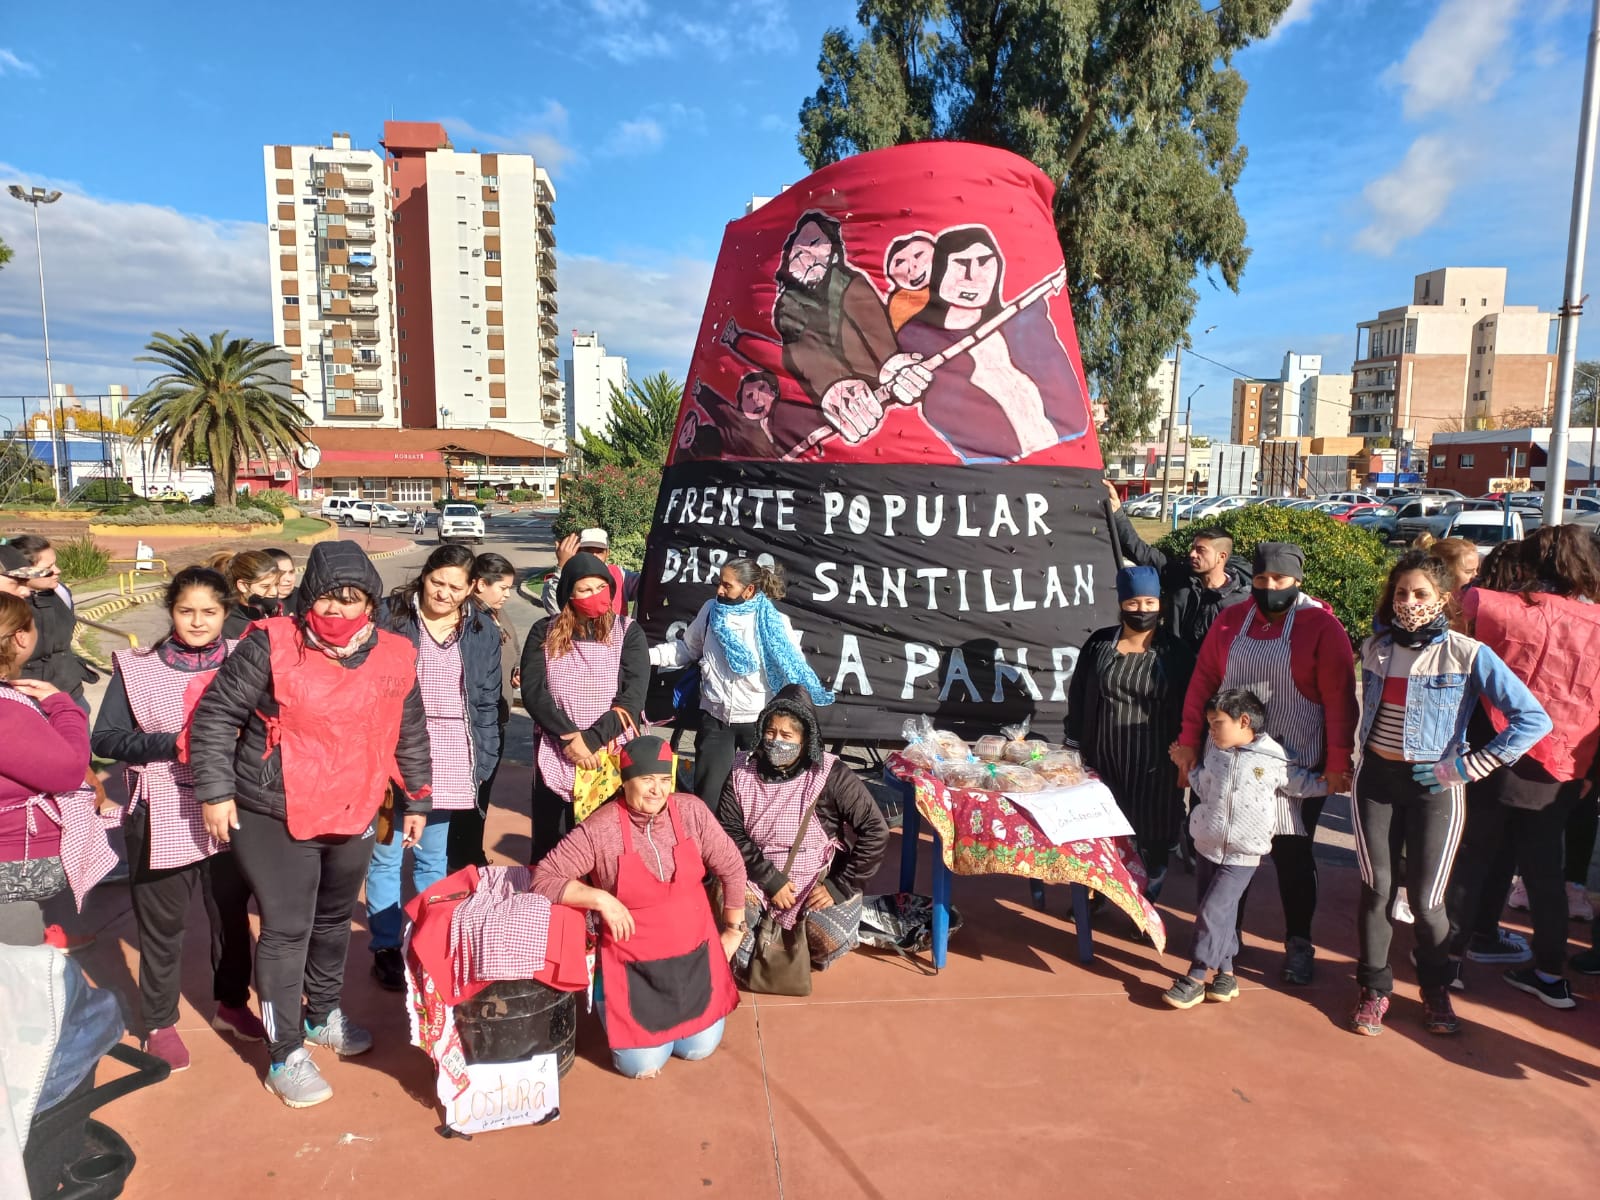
[[1248, 397], [591, 374], [475, 286], [1456, 356], [1161, 383], [1280, 415], [1325, 406], [332, 295]]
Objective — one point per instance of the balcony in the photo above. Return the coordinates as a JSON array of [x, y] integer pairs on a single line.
[[547, 346], [363, 310], [357, 184], [552, 391], [367, 360], [358, 406], [547, 323], [550, 366], [358, 209], [547, 260], [366, 337], [368, 383], [359, 233], [363, 284]]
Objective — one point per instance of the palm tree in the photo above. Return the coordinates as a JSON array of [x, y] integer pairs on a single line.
[[217, 404]]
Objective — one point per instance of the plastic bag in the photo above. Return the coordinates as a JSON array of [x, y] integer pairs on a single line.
[[990, 747], [974, 776], [1014, 777], [1060, 768], [921, 749]]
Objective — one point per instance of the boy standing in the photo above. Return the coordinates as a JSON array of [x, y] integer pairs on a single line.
[[1244, 787]]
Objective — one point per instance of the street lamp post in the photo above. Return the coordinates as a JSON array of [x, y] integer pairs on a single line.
[[36, 197], [1188, 435]]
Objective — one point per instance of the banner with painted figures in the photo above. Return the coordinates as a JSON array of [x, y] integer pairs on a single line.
[[886, 398]]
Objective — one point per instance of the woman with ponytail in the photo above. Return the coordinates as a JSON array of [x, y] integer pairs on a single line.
[[253, 577], [748, 652], [583, 671]]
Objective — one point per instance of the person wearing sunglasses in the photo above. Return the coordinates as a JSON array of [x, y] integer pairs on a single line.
[[53, 660]]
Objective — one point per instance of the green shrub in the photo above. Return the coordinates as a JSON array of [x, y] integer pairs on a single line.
[[1345, 565], [147, 514], [627, 550], [80, 558], [106, 491], [520, 495], [620, 500], [268, 498], [486, 493]]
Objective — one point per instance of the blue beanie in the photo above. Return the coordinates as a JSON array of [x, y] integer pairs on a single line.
[[1133, 582]]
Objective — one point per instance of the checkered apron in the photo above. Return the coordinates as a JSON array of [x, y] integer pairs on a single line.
[[444, 698], [583, 682], [86, 853], [772, 813], [159, 696], [1266, 667]]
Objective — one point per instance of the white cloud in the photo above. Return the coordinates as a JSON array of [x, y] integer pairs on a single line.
[[642, 135], [646, 309], [630, 45], [10, 64], [627, 31], [1458, 57], [773, 123], [1298, 12], [1410, 198], [543, 134], [619, 10]]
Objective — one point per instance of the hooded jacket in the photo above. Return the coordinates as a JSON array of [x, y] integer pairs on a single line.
[[845, 808], [1243, 795], [53, 659], [1191, 606], [228, 740]]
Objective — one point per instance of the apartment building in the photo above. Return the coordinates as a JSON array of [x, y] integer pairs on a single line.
[[332, 297], [1325, 406], [591, 374], [475, 287], [1248, 398], [1457, 357]]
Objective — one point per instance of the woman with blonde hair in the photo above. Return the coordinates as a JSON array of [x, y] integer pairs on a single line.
[[253, 577]]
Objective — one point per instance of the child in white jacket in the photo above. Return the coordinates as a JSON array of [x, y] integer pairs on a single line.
[[1246, 791]]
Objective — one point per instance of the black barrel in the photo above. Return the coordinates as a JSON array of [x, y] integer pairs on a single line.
[[513, 1020]]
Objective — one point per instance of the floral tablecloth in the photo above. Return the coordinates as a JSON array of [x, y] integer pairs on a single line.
[[983, 833]]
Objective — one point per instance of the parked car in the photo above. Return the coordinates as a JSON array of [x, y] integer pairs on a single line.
[[1279, 501], [1215, 506], [1344, 513], [1183, 506], [374, 512], [1148, 505], [1348, 497], [1487, 527], [460, 523], [1380, 519], [335, 507], [1409, 528]]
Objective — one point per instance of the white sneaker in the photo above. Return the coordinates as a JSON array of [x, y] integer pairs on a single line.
[[297, 1082], [1518, 899], [1400, 910], [1578, 906]]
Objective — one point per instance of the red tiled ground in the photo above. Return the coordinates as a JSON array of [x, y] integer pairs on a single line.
[[1015, 1072]]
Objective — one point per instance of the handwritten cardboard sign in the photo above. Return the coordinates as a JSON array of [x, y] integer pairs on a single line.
[[503, 1095], [1075, 814]]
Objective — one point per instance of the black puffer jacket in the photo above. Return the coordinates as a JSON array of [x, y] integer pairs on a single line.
[[1191, 606], [53, 659], [845, 808], [228, 740]]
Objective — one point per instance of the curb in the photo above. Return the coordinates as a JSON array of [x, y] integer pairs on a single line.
[[107, 607]]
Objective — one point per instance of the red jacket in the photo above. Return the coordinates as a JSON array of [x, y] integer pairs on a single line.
[[1321, 660]]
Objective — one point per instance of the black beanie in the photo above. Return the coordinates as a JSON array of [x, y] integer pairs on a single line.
[[581, 566], [1280, 558], [645, 755]]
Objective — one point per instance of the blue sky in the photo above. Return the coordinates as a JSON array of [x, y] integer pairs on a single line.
[[1386, 137]]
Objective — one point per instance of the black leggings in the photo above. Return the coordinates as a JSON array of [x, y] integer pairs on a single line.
[[306, 892], [714, 747], [161, 909], [1582, 824]]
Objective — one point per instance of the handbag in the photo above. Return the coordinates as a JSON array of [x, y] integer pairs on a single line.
[[593, 786], [780, 961]]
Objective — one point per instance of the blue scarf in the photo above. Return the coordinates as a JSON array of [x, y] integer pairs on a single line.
[[782, 663]]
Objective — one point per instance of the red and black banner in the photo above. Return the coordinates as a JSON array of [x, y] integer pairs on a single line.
[[886, 398]]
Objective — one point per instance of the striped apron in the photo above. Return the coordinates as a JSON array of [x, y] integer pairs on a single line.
[[584, 682], [441, 681]]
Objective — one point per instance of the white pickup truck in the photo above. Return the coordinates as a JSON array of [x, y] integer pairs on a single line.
[[1486, 528], [460, 523]]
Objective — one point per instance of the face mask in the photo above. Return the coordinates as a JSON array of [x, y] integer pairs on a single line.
[[731, 599], [1141, 622], [1412, 615], [592, 606], [333, 630], [781, 754], [266, 604], [1275, 600]]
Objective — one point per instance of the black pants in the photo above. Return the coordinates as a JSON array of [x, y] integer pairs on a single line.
[[306, 892], [1296, 865], [1481, 919], [1582, 825], [714, 748], [1395, 819], [553, 819], [1220, 888], [1537, 836], [464, 844], [161, 908]]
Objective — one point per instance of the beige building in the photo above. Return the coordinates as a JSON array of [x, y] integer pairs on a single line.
[[328, 224], [1325, 406], [1249, 398], [1456, 357]]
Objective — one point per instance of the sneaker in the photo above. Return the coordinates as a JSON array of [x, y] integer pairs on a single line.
[[1578, 906], [297, 1082], [1586, 962], [1185, 992], [1223, 988], [1557, 994], [1367, 1019], [1458, 981], [1400, 910], [238, 1020], [166, 1045], [1437, 1015], [1500, 949], [339, 1035], [1518, 899], [1299, 956], [58, 937], [389, 969]]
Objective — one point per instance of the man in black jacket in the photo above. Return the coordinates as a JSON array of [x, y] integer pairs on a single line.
[[1194, 589]]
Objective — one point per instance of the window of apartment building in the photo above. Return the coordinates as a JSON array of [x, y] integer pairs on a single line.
[[1439, 460], [402, 335], [1467, 460], [403, 357], [492, 255], [402, 310], [1463, 302], [492, 180], [289, 300], [405, 381], [413, 491], [1411, 337], [491, 206]]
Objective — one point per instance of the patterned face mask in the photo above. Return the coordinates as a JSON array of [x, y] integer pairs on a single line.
[[1412, 615], [781, 754]]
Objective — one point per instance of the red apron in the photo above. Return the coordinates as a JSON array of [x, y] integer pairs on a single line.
[[670, 980]]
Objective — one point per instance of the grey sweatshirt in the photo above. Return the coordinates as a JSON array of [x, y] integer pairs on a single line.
[[1247, 796]]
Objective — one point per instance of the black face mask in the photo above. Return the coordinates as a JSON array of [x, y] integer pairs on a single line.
[[732, 599], [266, 604], [1142, 622], [1273, 601]]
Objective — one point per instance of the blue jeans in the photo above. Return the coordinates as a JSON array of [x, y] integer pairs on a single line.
[[648, 1059], [428, 863]]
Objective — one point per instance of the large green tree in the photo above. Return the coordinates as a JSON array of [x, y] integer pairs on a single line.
[[217, 402], [5, 254], [638, 427], [1131, 106]]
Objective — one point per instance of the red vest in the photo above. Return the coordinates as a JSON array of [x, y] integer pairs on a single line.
[[336, 729], [1553, 646]]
